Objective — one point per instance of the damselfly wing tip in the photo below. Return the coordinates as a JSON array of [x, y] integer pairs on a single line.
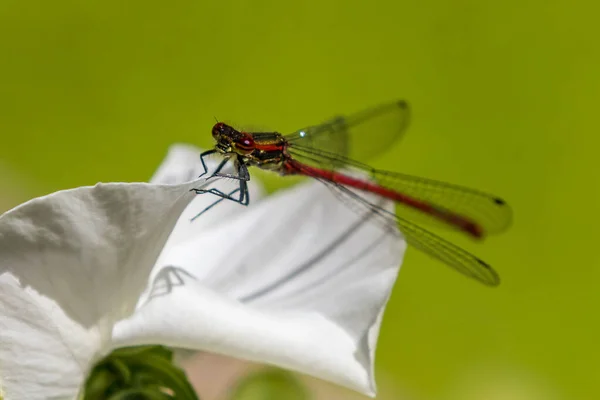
[[504, 215], [492, 279]]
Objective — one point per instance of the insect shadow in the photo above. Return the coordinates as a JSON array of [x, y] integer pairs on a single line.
[[169, 278]]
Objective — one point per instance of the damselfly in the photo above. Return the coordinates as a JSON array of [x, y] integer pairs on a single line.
[[323, 152]]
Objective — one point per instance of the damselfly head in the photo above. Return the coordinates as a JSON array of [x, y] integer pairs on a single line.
[[229, 140], [224, 135], [220, 129]]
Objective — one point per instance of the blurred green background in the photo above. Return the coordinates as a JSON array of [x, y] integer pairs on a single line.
[[504, 96]]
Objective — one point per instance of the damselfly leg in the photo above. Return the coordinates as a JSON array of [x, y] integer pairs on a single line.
[[242, 176]]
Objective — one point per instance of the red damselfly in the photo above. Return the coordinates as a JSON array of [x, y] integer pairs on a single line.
[[325, 151]]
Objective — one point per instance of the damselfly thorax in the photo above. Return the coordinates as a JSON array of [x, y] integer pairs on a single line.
[[265, 150]]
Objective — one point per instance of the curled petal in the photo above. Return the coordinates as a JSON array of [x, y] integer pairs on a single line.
[[72, 263], [44, 354], [299, 281]]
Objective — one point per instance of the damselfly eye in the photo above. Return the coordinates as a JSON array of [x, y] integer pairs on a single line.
[[245, 145], [218, 129]]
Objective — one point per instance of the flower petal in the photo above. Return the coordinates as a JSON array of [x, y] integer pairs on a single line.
[[75, 246], [44, 354], [300, 281], [72, 263]]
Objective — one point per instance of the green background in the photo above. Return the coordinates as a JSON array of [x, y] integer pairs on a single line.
[[504, 96]]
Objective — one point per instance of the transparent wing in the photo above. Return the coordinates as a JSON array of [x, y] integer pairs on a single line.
[[419, 238], [490, 212], [450, 254], [363, 135], [320, 151]]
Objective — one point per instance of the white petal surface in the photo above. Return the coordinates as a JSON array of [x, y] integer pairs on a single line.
[[71, 264], [285, 283], [44, 354]]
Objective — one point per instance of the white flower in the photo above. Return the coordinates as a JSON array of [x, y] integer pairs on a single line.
[[295, 280]]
